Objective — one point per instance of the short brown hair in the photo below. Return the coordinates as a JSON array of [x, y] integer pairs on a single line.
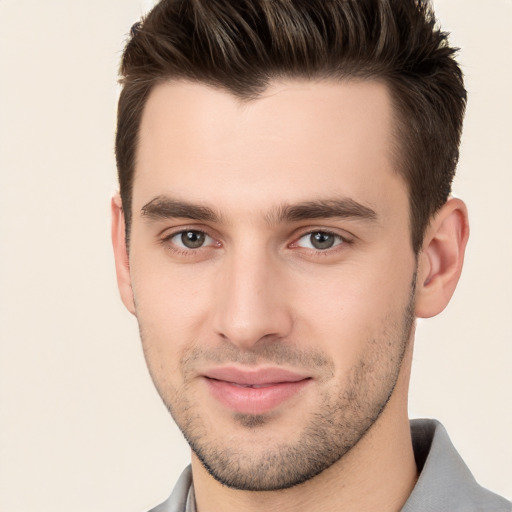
[[241, 45]]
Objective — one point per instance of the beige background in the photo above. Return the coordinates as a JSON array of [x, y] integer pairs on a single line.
[[81, 427]]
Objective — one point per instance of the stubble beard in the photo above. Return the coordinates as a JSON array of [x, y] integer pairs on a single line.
[[340, 421]]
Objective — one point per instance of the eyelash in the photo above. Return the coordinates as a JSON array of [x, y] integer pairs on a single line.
[[185, 251], [341, 240]]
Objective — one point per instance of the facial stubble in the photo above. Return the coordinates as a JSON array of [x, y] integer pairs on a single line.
[[337, 425]]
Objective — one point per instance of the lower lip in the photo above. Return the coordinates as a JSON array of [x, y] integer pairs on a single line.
[[246, 400]]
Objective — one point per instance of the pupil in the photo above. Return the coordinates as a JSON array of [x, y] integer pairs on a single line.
[[192, 239], [322, 240]]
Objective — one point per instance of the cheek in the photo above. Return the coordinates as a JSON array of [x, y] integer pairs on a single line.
[[351, 306], [171, 305], [171, 317]]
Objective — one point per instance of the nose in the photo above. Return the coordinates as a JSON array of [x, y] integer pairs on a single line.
[[251, 304]]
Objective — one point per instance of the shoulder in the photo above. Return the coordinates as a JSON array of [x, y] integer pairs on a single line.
[[445, 483], [177, 501]]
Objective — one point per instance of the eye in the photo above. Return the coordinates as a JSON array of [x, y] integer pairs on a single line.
[[319, 240], [191, 239]]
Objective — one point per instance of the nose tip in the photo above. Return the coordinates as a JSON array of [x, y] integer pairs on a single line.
[[246, 334], [244, 326], [252, 306]]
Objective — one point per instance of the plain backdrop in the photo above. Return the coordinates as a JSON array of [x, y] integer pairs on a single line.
[[81, 427]]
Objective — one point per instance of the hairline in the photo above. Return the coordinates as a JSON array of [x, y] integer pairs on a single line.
[[397, 151]]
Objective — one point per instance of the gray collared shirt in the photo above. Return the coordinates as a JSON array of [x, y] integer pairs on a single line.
[[445, 483]]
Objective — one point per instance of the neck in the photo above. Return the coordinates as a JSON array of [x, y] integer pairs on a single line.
[[378, 473]]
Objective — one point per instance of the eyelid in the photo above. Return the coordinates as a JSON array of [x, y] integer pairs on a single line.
[[170, 231], [343, 235], [165, 237], [176, 240], [308, 245]]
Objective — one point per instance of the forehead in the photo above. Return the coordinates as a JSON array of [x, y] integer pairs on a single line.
[[298, 141]]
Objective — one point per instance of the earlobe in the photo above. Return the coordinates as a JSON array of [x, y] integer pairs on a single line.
[[440, 261], [121, 254]]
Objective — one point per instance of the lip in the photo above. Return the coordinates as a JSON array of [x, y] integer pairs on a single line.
[[254, 391]]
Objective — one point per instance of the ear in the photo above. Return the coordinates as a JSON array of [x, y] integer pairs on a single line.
[[121, 254], [441, 258]]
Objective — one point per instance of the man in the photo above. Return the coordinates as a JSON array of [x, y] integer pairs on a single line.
[[284, 216]]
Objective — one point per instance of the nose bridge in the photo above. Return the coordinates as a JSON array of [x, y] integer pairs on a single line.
[[251, 303]]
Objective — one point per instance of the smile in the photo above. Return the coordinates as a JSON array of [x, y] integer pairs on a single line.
[[254, 392]]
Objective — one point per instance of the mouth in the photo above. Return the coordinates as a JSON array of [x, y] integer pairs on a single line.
[[254, 386], [254, 391]]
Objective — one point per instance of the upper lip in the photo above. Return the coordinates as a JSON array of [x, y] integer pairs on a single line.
[[254, 377]]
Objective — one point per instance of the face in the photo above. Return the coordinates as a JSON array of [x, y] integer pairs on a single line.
[[271, 271]]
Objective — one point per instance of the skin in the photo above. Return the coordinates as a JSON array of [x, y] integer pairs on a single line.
[[258, 294]]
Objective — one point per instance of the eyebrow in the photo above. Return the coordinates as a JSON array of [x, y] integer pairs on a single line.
[[164, 207], [343, 208]]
